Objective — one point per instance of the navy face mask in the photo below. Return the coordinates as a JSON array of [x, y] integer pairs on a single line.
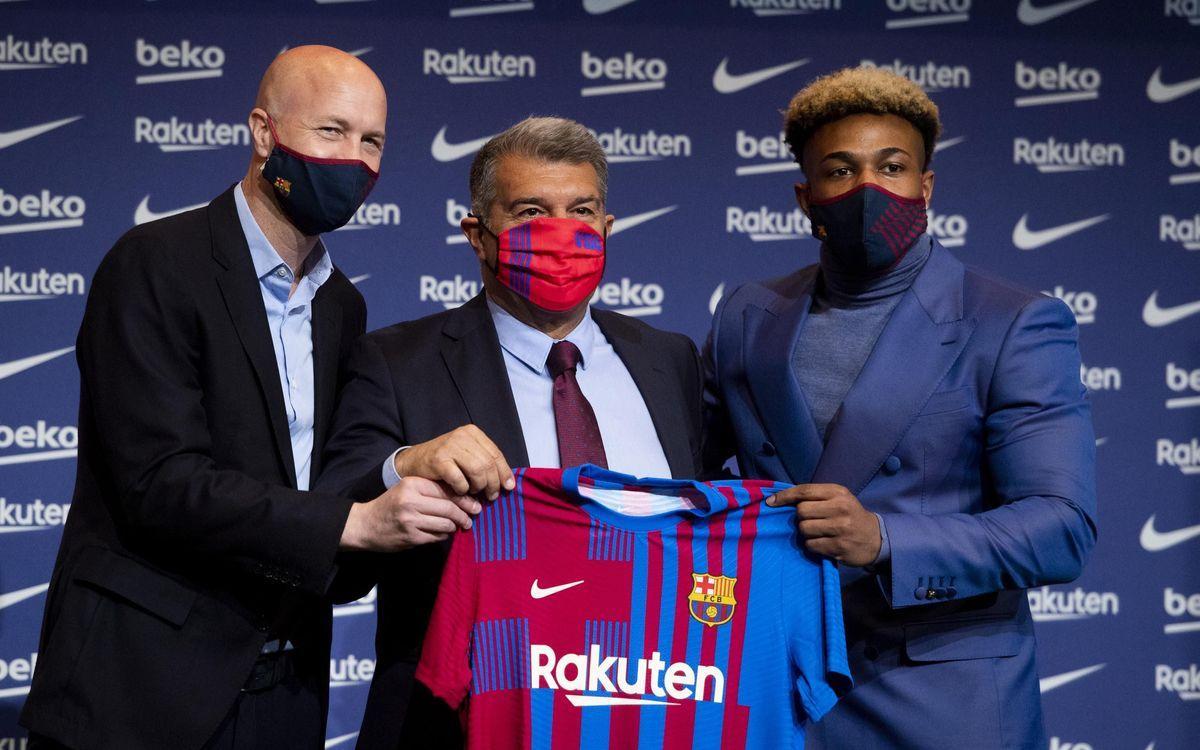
[[318, 195], [867, 230]]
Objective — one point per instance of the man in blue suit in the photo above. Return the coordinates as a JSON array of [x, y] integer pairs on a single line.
[[932, 419]]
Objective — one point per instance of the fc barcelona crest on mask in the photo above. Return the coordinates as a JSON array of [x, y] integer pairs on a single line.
[[711, 600]]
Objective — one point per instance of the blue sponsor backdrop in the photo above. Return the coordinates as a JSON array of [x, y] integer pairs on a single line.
[[1070, 163]]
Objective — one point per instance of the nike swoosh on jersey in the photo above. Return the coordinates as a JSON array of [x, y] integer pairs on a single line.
[[1153, 540], [443, 151], [1031, 15], [1029, 239], [596, 7], [1156, 317], [143, 214], [726, 83], [537, 592], [629, 222], [14, 137], [1161, 93], [1046, 684], [20, 595], [8, 369]]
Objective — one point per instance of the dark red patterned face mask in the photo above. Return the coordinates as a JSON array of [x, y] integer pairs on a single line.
[[868, 229], [554, 263]]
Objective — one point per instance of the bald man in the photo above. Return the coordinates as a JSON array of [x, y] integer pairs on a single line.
[[189, 606]]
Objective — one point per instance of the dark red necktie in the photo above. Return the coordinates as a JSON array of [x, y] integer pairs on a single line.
[[579, 440]]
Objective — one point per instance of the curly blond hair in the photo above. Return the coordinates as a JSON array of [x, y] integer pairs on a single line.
[[854, 91]]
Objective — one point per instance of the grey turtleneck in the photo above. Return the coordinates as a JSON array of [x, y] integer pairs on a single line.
[[847, 315]]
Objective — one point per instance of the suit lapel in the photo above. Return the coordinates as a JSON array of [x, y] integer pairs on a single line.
[[660, 392], [924, 336], [243, 299], [326, 333], [770, 337], [471, 351]]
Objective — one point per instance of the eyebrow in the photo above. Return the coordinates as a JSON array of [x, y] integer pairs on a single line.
[[851, 158]]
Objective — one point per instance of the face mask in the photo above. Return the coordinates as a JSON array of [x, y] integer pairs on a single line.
[[868, 229], [318, 195], [554, 263]]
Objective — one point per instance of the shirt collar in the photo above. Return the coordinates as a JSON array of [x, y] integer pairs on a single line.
[[531, 346], [318, 265]]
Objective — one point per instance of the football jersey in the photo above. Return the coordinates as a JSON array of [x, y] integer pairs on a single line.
[[562, 622]]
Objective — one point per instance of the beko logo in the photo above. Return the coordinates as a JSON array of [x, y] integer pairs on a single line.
[[1058, 744], [350, 670], [1184, 156], [1082, 304], [49, 441], [929, 12], [1182, 230], [455, 213], [23, 286], [23, 54], [461, 66], [449, 292], [764, 225], [1183, 456], [1183, 682], [637, 300], [370, 215], [184, 61], [491, 7], [1180, 605], [772, 147], [17, 670], [1051, 156], [1181, 380], [1050, 605], [1189, 9], [46, 209], [621, 146], [34, 516], [930, 76], [949, 229], [177, 135], [1057, 84], [1100, 378], [630, 73], [771, 8]]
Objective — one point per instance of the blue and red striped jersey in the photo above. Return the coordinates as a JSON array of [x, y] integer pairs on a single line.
[[563, 623]]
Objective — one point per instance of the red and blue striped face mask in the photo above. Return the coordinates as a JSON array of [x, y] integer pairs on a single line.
[[554, 263], [868, 229]]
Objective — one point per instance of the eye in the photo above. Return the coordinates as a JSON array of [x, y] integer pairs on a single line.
[[840, 172], [529, 212], [893, 168], [585, 211]]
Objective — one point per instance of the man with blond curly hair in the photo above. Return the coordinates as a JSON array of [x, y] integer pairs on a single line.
[[932, 420]]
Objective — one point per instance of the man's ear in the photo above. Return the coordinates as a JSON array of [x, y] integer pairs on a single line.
[[608, 224], [473, 231], [260, 133], [802, 196], [927, 186]]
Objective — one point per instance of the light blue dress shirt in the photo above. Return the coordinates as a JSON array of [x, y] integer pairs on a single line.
[[290, 321], [631, 443]]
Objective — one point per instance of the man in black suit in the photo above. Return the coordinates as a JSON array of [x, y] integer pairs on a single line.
[[188, 606], [525, 374]]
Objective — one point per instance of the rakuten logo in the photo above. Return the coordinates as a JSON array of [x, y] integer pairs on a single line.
[[621, 146], [1180, 605], [638, 300], [1057, 744], [35, 516], [764, 225], [23, 54], [350, 670], [1100, 378], [1183, 456], [1182, 230], [185, 61], [591, 673], [1184, 156], [1058, 84], [48, 442], [23, 286], [46, 209], [1181, 380], [771, 8], [1050, 605], [949, 229], [176, 135], [370, 215], [450, 293], [928, 12], [1184, 682], [930, 76], [1082, 304], [1189, 9], [631, 73], [461, 66], [772, 147], [1050, 156]]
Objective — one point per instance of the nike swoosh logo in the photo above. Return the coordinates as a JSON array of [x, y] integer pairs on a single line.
[[341, 739], [1046, 684], [1161, 93], [20, 595], [596, 7], [443, 151], [948, 143], [537, 592], [1028, 239], [1030, 15], [143, 214], [8, 369], [13, 137], [726, 83], [629, 222], [1156, 317], [1156, 541], [715, 299]]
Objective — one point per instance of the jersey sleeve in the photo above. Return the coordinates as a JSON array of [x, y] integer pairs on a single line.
[[445, 666], [812, 600]]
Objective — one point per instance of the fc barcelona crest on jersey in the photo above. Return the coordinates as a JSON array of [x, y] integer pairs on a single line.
[[711, 600]]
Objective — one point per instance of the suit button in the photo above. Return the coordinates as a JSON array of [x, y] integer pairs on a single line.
[[871, 653], [892, 464], [951, 592], [768, 449], [919, 592]]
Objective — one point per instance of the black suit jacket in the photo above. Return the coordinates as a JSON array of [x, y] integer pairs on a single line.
[[187, 541], [414, 381]]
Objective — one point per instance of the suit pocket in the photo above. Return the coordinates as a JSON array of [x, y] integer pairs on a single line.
[[945, 401], [129, 580], [955, 640]]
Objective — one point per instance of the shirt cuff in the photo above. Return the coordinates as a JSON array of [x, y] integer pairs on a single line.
[[885, 546], [390, 477]]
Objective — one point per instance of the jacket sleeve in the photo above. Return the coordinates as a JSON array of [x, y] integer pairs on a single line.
[[1039, 465], [140, 356]]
